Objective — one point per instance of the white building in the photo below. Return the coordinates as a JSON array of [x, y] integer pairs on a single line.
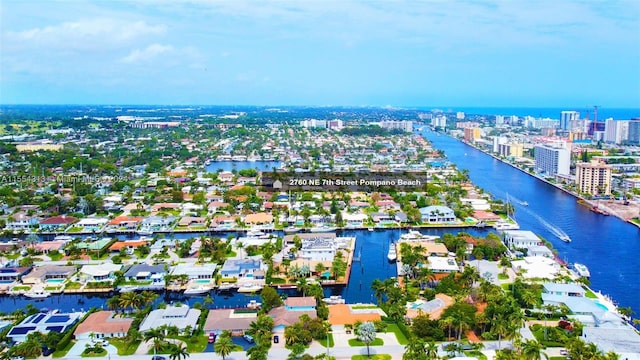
[[616, 131], [179, 316], [552, 160], [521, 239], [403, 125], [566, 117]]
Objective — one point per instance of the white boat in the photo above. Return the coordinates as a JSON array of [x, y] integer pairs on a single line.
[[63, 238], [334, 299], [257, 234], [199, 290], [254, 304], [370, 229], [581, 270], [322, 229], [250, 288], [226, 287], [506, 226], [392, 255], [524, 203], [565, 238], [37, 294], [145, 232], [291, 230], [414, 235]]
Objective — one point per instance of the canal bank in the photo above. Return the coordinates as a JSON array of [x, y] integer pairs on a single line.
[[606, 245]]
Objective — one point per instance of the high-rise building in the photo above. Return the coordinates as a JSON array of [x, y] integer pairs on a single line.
[[472, 134], [634, 132], [402, 125], [566, 117], [616, 131], [552, 159], [594, 178]]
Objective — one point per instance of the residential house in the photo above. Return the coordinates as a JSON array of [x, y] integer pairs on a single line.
[[40, 274], [519, 239], [103, 324], [437, 214], [219, 320], [179, 316], [239, 268], [100, 272], [300, 303], [57, 223], [43, 323], [125, 222], [192, 271], [571, 289], [11, 274], [354, 220], [145, 272], [21, 222], [157, 223], [258, 218], [191, 221]]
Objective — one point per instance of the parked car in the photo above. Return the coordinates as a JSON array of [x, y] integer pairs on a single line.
[[276, 339], [212, 338], [46, 351], [158, 357], [249, 338]]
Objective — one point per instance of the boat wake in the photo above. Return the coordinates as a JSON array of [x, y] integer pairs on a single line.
[[515, 199], [559, 233]]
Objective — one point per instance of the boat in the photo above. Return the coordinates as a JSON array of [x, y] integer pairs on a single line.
[[254, 304], [370, 229], [322, 229], [226, 287], [480, 225], [581, 270], [414, 235], [392, 255], [506, 226], [62, 238], [291, 230], [37, 294], [334, 300], [565, 238], [199, 290], [524, 203], [249, 288], [145, 232], [257, 234]]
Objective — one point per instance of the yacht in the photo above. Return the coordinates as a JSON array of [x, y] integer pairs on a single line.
[[254, 304], [506, 226], [565, 238], [334, 299], [199, 290], [257, 234], [581, 270], [37, 294], [414, 235], [249, 288], [226, 287], [391, 255], [145, 232], [322, 229], [291, 230]]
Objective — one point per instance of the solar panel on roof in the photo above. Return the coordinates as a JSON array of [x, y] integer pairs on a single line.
[[38, 318], [58, 319], [21, 330], [55, 328]]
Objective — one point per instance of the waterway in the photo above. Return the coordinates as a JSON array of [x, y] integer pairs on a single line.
[[214, 166], [606, 244]]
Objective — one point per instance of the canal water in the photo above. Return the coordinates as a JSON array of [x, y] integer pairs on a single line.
[[607, 245], [242, 165]]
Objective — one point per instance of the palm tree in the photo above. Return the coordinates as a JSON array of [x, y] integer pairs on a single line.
[[414, 349], [531, 350], [431, 351], [366, 334], [178, 352], [291, 335], [208, 300], [129, 300], [156, 335], [147, 297], [224, 345], [113, 303]]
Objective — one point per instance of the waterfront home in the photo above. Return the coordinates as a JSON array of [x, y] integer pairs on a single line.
[[21, 222], [477, 204], [11, 274], [100, 272], [354, 220], [43, 323], [47, 246], [571, 289], [243, 268], [519, 239], [157, 223], [323, 248], [164, 207], [482, 215], [258, 218], [237, 322], [180, 316], [225, 221], [216, 206], [195, 271], [577, 305], [147, 273], [623, 340], [57, 223], [440, 264], [381, 217], [225, 176], [341, 314], [40, 274], [103, 324], [539, 250], [283, 317], [124, 223], [536, 267], [437, 214], [92, 224], [400, 217], [433, 248], [191, 221], [300, 303]]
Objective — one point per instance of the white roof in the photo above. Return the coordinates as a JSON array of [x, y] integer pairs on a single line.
[[178, 316], [439, 263], [100, 270], [192, 269]]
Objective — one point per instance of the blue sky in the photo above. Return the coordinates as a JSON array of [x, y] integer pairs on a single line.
[[399, 53]]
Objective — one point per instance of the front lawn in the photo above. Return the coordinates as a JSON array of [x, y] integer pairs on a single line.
[[63, 353], [195, 344], [323, 342], [124, 347], [356, 342], [402, 339], [94, 352], [590, 294]]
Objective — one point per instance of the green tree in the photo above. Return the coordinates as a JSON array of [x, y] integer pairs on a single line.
[[366, 334], [224, 345], [178, 352], [270, 299]]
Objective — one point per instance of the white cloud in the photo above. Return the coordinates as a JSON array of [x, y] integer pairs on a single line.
[[84, 34], [148, 53]]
